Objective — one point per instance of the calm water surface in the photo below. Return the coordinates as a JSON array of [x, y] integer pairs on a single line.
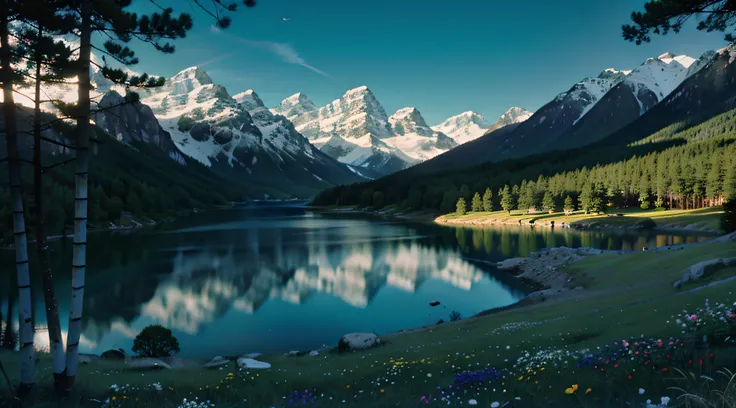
[[273, 278]]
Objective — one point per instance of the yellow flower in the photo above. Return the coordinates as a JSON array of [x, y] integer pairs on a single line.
[[114, 398], [382, 390], [347, 386], [569, 391], [588, 390], [125, 397], [521, 378], [541, 369], [575, 387], [217, 388]]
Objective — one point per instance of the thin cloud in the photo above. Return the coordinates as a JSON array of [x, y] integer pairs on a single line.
[[285, 51], [215, 29], [217, 59]]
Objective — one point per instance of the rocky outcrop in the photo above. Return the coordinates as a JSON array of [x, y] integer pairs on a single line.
[[244, 362], [357, 341], [704, 269]]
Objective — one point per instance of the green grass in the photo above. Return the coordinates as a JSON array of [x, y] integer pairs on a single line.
[[627, 295], [706, 219]]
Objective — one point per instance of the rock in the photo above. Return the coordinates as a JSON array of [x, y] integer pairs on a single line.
[[147, 363], [251, 363], [295, 353], [87, 358], [440, 321], [512, 263], [252, 355], [434, 303], [113, 355], [703, 268], [218, 361], [357, 341], [314, 353]]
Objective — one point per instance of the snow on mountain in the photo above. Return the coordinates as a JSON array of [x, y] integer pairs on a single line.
[[590, 90], [351, 129], [464, 127], [415, 138], [239, 132], [512, 116], [658, 77]]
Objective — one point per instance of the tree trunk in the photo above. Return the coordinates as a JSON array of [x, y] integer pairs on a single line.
[[8, 337], [52, 308], [25, 335], [80, 199]]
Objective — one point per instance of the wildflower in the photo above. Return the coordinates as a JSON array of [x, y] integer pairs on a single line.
[[114, 398], [589, 390], [575, 387], [382, 390], [693, 318], [664, 401], [569, 391], [495, 404], [641, 391], [472, 402]]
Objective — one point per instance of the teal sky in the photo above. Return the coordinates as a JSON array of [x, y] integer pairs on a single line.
[[443, 57]]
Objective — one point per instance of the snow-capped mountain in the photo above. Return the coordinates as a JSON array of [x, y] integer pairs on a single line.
[[464, 127], [510, 117], [351, 129], [241, 134], [415, 138], [643, 88]]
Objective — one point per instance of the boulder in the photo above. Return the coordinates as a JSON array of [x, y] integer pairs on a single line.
[[153, 363], [314, 353], [434, 303], [244, 362], [295, 353], [216, 362], [703, 268], [357, 341], [252, 355], [113, 355]]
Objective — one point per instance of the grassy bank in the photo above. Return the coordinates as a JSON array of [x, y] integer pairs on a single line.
[[707, 219], [536, 350]]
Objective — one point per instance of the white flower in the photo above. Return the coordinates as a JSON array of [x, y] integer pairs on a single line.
[[429, 375], [641, 391], [495, 404], [472, 402], [665, 401]]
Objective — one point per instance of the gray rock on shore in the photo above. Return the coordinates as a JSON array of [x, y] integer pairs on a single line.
[[357, 341], [244, 362]]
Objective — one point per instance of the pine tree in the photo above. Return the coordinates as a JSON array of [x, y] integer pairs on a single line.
[[729, 184], [569, 205], [644, 192], [548, 203], [661, 16], [507, 199], [488, 200], [476, 205], [461, 208]]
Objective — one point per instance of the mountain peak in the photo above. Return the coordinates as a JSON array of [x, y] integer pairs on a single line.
[[249, 99], [464, 127], [514, 115], [197, 72], [667, 55], [612, 73], [358, 90], [295, 105], [408, 115]]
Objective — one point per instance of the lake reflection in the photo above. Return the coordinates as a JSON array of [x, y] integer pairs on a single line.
[[276, 278]]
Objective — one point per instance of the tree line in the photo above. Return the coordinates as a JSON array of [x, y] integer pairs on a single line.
[[697, 170]]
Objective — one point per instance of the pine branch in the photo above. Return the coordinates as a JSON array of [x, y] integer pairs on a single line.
[[61, 163]]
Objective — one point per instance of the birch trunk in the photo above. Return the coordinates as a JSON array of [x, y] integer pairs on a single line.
[[80, 199], [25, 335], [52, 308]]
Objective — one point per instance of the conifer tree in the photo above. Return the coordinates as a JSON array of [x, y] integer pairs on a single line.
[[461, 208], [507, 199], [663, 16], [476, 205], [569, 205], [488, 200], [548, 202]]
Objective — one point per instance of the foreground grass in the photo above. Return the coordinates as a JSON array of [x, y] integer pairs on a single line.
[[627, 296], [704, 219]]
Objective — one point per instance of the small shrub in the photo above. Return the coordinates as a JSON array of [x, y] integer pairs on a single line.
[[156, 341], [455, 316]]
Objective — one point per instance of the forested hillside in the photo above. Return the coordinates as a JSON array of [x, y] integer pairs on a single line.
[[677, 167]]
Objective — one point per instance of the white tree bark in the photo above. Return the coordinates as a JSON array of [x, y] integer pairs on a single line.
[[80, 198], [27, 370]]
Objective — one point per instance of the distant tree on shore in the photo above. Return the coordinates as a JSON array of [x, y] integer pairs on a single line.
[[461, 208], [488, 200], [476, 205], [548, 202], [569, 205], [507, 199]]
